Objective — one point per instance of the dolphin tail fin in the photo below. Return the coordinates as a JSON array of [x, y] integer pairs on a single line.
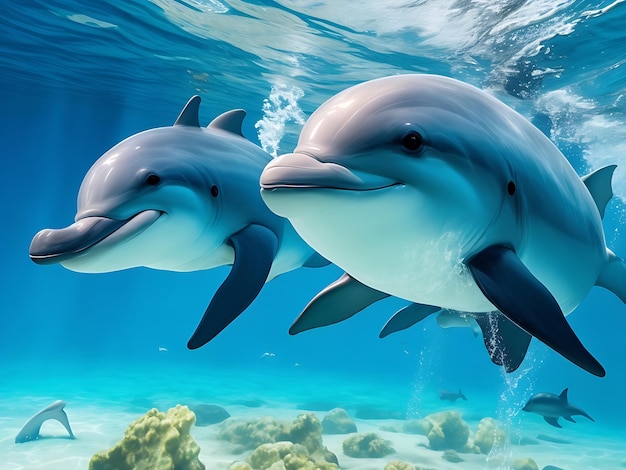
[[30, 430], [613, 276]]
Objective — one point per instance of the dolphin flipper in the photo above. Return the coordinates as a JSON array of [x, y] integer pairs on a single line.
[[30, 431], [255, 247], [407, 317], [553, 421], [316, 261], [511, 287], [506, 342], [337, 302]]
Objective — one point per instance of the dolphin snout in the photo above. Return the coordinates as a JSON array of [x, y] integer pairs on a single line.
[[305, 171], [50, 246]]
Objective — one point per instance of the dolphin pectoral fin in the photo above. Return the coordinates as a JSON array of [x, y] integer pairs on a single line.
[[506, 343], [316, 261], [511, 287], [613, 276], [553, 421], [569, 418], [255, 247], [407, 317], [337, 302]]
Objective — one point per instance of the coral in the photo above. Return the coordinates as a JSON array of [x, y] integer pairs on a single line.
[[399, 465], [286, 455], [305, 430], [525, 464], [449, 431], [156, 441], [451, 456], [252, 434], [367, 444], [417, 426], [337, 421], [488, 435], [240, 466], [209, 414]]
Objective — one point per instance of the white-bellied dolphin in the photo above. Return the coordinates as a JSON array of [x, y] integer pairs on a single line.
[[30, 431], [431, 190], [181, 198], [552, 407]]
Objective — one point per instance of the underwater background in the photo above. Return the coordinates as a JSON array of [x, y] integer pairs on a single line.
[[78, 77]]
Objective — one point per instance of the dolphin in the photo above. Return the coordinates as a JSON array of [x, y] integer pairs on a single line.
[[431, 190], [30, 431], [552, 407], [181, 198], [451, 396]]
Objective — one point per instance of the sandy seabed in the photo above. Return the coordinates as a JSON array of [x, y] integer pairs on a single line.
[[100, 406]]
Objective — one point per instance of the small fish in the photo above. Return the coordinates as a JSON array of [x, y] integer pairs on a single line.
[[267, 354], [162, 349]]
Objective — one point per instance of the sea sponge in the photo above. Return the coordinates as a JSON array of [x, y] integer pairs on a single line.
[[156, 441], [305, 430], [252, 434], [451, 456], [286, 455], [488, 435], [417, 426], [525, 464], [399, 465], [368, 444], [449, 431], [337, 421]]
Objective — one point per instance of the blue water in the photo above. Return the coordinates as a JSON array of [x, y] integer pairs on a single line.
[[78, 77]]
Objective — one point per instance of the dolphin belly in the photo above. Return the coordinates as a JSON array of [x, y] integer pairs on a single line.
[[410, 261]]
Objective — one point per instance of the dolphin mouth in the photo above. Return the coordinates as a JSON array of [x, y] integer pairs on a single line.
[[51, 246], [303, 170]]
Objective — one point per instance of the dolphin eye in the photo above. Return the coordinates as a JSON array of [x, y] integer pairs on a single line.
[[153, 179], [214, 191], [412, 141]]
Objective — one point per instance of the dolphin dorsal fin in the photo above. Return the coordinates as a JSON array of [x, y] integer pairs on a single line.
[[230, 121], [563, 396], [189, 115], [599, 185]]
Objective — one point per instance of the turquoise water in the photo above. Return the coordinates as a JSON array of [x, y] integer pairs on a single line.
[[78, 78]]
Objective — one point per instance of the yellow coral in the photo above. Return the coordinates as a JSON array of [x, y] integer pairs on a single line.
[[156, 441]]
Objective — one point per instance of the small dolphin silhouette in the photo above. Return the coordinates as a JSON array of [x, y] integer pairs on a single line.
[[30, 431], [451, 396], [552, 407]]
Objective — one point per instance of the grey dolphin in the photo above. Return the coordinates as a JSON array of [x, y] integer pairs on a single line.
[[451, 396], [552, 407], [431, 190], [181, 198], [30, 431]]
